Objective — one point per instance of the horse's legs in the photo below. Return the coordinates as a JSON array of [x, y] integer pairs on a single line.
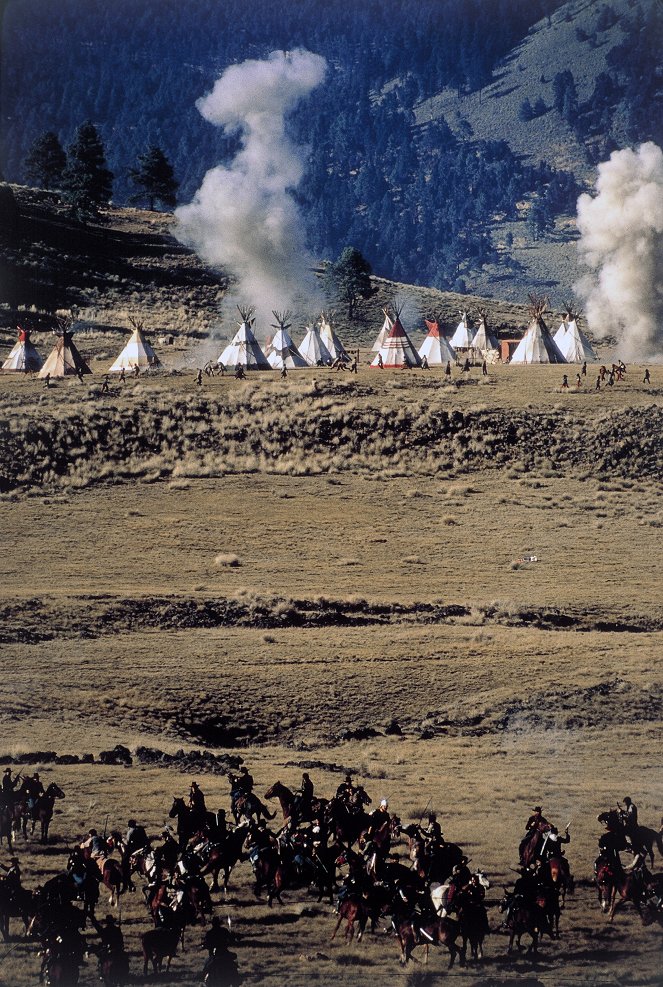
[[340, 919]]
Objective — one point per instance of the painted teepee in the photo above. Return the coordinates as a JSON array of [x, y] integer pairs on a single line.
[[64, 360], [571, 340], [436, 347], [283, 352], [244, 350], [314, 349], [331, 340], [537, 345], [386, 328], [462, 337], [137, 352], [397, 349], [24, 357], [484, 340]]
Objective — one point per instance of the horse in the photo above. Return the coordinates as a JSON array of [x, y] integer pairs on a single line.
[[347, 825], [42, 811], [161, 944], [436, 931], [188, 820], [224, 856], [248, 804], [353, 909], [436, 863], [15, 902], [547, 899], [617, 886], [524, 917], [114, 968], [112, 875], [642, 837], [530, 846], [556, 873], [473, 924], [269, 874], [85, 881], [291, 804]]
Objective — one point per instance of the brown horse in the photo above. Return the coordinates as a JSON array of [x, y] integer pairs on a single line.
[[42, 812], [440, 932], [347, 825], [15, 902], [642, 837], [291, 804], [270, 875], [524, 917], [159, 945], [616, 887], [353, 909], [557, 873], [224, 856], [112, 876]]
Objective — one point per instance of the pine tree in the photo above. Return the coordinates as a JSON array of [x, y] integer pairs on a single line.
[[45, 161], [155, 176], [88, 183], [349, 279]]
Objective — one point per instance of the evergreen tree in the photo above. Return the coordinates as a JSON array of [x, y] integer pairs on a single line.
[[88, 183], [45, 161], [155, 176], [349, 279]]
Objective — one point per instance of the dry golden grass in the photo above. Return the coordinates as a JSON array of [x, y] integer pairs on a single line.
[[374, 586]]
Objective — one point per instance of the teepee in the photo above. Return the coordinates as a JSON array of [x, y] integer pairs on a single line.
[[397, 349], [435, 347], [571, 340], [382, 335], [24, 357], [331, 340], [484, 340], [137, 352], [537, 345], [462, 337], [244, 350], [64, 360], [313, 348], [283, 351]]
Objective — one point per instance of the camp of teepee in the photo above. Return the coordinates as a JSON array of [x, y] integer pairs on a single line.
[[64, 360], [436, 348], [484, 341], [382, 335], [537, 345], [283, 352], [571, 340], [397, 350], [137, 352], [462, 337], [24, 357], [244, 349], [331, 340], [313, 348]]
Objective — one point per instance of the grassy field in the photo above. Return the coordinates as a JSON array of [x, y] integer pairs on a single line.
[[214, 569]]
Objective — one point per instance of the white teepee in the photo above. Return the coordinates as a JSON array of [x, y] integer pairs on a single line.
[[244, 350], [283, 351], [484, 340], [462, 337], [314, 350], [397, 349], [24, 357], [572, 342], [331, 340], [137, 352], [382, 335], [64, 360], [537, 345], [435, 347]]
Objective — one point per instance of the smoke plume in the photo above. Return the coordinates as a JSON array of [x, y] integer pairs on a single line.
[[244, 217], [621, 229]]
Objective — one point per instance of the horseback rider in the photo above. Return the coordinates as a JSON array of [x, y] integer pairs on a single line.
[[525, 890], [535, 826], [629, 820], [12, 875], [112, 940], [197, 800], [306, 793], [8, 786], [358, 800], [95, 844], [32, 790], [135, 839], [218, 827], [610, 844], [432, 835], [345, 790], [551, 843]]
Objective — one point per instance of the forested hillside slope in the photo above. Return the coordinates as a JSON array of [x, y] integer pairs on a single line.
[[448, 143]]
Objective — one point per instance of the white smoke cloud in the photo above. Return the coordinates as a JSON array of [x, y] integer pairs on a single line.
[[621, 229], [244, 218]]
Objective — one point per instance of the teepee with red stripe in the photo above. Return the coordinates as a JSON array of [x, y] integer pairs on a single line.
[[397, 348], [436, 347]]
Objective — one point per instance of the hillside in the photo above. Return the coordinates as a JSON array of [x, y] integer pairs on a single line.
[[413, 147], [132, 264]]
